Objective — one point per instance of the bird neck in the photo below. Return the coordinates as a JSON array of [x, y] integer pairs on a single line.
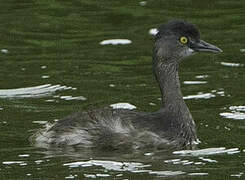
[[181, 122], [168, 79]]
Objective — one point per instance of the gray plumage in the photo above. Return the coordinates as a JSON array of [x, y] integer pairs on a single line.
[[115, 129]]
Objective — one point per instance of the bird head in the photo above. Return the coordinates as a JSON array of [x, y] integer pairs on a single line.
[[178, 39]]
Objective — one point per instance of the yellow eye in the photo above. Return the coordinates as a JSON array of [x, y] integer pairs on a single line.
[[183, 40]]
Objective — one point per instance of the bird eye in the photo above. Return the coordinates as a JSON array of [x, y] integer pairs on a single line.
[[183, 40]]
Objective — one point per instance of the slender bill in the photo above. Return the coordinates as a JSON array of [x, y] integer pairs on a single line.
[[203, 46]]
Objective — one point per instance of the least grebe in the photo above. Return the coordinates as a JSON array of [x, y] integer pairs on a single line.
[[171, 126]]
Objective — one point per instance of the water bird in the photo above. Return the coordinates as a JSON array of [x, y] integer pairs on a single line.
[[172, 126]]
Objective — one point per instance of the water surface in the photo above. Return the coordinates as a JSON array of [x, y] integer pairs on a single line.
[[53, 64]]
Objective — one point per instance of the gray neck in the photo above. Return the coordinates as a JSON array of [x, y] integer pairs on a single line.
[[168, 79], [166, 72]]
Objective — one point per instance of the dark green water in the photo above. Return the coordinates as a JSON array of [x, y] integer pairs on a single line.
[[57, 43]]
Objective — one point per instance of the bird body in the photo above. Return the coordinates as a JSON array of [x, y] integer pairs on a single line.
[[172, 126]]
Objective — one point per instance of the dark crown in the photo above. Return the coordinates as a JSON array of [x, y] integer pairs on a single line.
[[179, 28]]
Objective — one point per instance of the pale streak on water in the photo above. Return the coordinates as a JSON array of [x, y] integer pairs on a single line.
[[35, 91], [115, 42], [235, 112]]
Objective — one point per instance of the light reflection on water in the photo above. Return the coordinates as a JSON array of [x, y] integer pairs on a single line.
[[35, 91], [187, 162], [235, 112]]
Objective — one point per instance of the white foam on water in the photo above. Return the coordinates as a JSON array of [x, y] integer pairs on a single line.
[[123, 106], [242, 50], [195, 82], [153, 31], [207, 151], [35, 91], [231, 64], [115, 42]]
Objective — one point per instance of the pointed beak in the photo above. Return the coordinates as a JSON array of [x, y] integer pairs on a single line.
[[203, 46]]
